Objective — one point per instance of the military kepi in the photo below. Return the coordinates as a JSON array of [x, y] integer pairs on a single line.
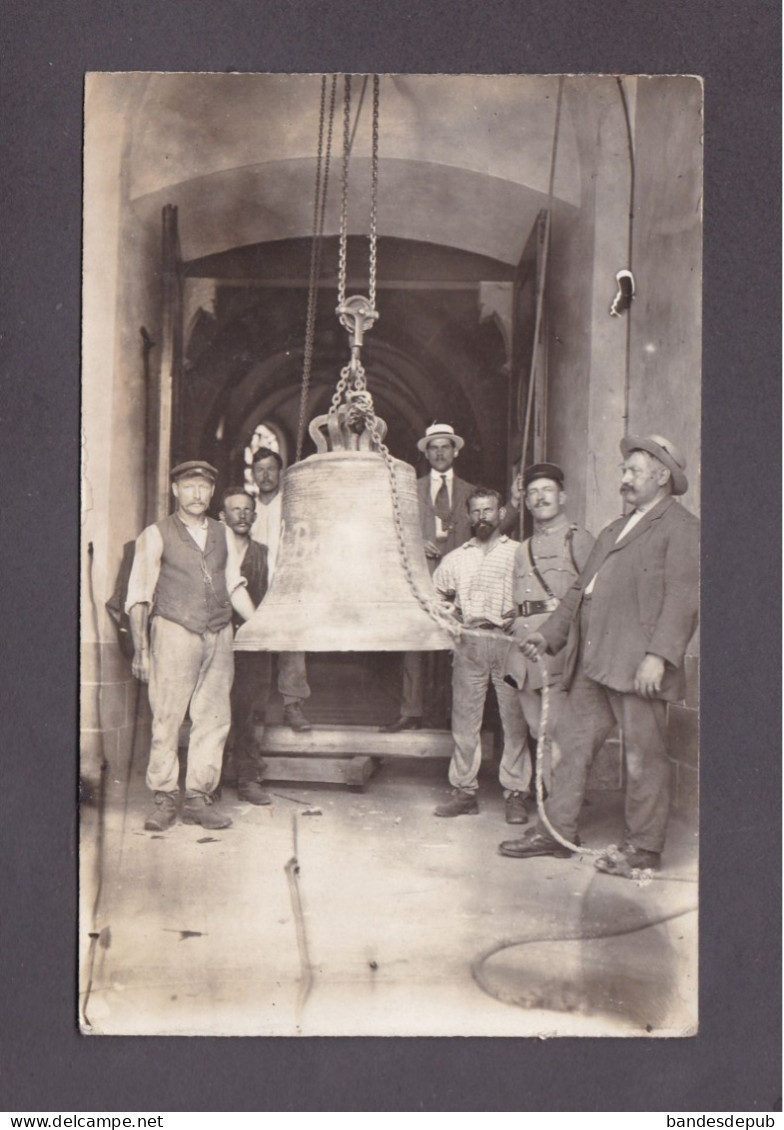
[[543, 471], [194, 467]]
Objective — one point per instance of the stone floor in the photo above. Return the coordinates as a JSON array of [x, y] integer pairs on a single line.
[[394, 922]]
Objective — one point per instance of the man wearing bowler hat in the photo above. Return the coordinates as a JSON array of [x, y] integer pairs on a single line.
[[625, 625], [546, 566], [184, 583], [445, 524]]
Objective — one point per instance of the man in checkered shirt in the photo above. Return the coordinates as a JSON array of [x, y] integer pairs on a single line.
[[478, 579]]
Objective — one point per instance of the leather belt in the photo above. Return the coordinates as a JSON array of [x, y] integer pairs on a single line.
[[536, 607]]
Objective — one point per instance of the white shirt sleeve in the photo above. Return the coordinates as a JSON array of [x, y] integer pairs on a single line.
[[146, 568], [444, 581], [234, 578]]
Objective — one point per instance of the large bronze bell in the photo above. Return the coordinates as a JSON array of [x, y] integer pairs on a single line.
[[339, 582]]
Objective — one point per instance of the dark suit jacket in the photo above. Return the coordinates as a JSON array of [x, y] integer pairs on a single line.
[[254, 570], [645, 600], [459, 520]]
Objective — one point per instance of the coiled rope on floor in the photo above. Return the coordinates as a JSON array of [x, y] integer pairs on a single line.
[[637, 874]]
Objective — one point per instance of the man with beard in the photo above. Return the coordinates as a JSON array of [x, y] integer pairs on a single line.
[[625, 624], [477, 578], [546, 566], [292, 675], [251, 686]]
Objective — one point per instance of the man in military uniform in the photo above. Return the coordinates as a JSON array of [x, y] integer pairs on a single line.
[[545, 568]]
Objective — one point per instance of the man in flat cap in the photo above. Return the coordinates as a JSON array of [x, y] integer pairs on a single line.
[[546, 566], [625, 625], [184, 583], [445, 524], [292, 680], [251, 687]]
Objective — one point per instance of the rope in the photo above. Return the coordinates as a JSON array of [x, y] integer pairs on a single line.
[[478, 964], [630, 246], [545, 255], [544, 721], [640, 875], [316, 252]]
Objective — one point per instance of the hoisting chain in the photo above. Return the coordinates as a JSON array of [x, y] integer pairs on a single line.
[[374, 196], [352, 386], [372, 234], [343, 244], [361, 404], [316, 249]]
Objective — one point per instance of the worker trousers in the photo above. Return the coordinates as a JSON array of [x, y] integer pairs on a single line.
[[590, 712], [249, 696], [531, 706], [479, 659], [292, 677], [413, 681], [188, 672]]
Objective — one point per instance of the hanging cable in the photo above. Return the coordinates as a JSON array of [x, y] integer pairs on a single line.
[[629, 249], [316, 253], [358, 114], [541, 283]]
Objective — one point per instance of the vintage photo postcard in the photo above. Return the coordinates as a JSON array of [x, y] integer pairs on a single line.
[[390, 555]]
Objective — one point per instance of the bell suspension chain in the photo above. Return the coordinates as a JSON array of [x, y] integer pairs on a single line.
[[358, 314]]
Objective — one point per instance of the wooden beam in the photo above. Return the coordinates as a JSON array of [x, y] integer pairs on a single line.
[[355, 771], [331, 741], [357, 285]]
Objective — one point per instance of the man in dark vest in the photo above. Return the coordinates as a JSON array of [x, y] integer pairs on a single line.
[[183, 585], [251, 687]]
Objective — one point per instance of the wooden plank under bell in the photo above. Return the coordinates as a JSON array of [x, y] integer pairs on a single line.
[[332, 741], [355, 771]]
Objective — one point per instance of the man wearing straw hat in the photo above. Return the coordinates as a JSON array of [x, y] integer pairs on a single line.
[[625, 625], [445, 525]]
